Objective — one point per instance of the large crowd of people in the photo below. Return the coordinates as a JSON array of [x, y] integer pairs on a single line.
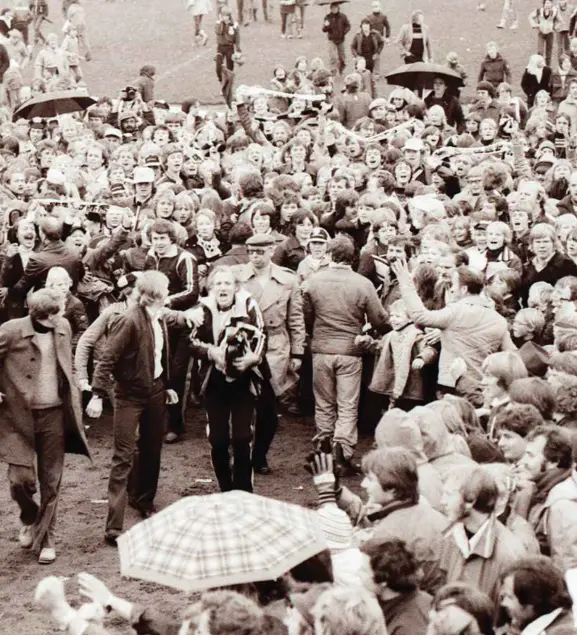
[[404, 265]]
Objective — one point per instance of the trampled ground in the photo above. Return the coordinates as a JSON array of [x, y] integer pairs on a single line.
[[126, 35]]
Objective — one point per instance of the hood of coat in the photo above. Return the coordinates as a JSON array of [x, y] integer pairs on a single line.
[[565, 491], [435, 434], [397, 428]]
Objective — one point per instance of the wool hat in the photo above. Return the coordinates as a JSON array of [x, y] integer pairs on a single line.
[[117, 188], [143, 175], [486, 86], [112, 132], [126, 114], [376, 103], [261, 240]]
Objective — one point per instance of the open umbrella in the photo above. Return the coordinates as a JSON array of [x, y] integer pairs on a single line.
[[323, 3], [223, 539], [54, 104], [420, 76]]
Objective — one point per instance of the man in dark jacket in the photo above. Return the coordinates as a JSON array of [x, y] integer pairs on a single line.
[[238, 253], [40, 415], [137, 356], [494, 68], [449, 103], [180, 267], [53, 253], [368, 44], [336, 25], [379, 23]]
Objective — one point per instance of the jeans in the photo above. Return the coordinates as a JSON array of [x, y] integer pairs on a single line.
[[138, 434], [224, 58], [337, 59], [545, 46], [230, 408], [508, 13], [337, 387], [49, 444], [562, 43]]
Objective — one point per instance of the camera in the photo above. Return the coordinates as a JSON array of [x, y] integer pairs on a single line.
[[129, 94]]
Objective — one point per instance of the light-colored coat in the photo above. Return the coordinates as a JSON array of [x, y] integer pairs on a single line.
[[560, 522], [470, 329], [282, 308], [405, 40], [20, 366]]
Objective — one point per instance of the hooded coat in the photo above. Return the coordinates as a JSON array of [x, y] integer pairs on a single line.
[[439, 446], [397, 428], [559, 517]]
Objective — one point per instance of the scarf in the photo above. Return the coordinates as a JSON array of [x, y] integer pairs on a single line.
[[210, 248], [546, 482]]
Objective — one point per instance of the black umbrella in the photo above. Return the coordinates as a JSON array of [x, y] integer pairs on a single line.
[[323, 3], [54, 104], [420, 75]]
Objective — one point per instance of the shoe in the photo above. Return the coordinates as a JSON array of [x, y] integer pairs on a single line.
[[344, 467], [47, 556], [262, 469], [501, 25], [88, 57], [145, 513], [203, 38], [514, 26], [26, 537], [172, 438], [289, 37], [481, 7], [110, 537], [283, 36]]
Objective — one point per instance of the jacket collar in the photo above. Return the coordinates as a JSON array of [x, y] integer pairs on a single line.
[[481, 544], [539, 625], [239, 307], [172, 252], [28, 329], [385, 511]]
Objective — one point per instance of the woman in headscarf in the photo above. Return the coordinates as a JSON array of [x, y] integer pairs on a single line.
[[537, 76]]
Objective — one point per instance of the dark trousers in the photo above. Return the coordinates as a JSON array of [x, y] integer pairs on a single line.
[[138, 433], [224, 58], [266, 424], [49, 446], [230, 411], [179, 370]]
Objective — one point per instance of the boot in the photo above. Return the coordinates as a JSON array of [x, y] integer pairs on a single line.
[[344, 467]]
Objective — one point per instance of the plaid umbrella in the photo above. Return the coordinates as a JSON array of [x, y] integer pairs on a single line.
[[228, 538]]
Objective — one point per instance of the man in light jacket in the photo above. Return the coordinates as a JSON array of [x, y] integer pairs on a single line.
[[470, 327]]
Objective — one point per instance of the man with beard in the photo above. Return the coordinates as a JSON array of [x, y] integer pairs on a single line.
[[535, 597], [547, 461]]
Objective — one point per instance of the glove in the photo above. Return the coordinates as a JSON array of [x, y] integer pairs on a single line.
[[321, 466]]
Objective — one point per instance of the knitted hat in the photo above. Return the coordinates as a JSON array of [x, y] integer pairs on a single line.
[[486, 86]]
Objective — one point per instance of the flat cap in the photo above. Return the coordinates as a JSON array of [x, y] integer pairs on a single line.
[[261, 240]]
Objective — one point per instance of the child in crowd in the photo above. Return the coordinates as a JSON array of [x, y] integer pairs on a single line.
[[402, 355]]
